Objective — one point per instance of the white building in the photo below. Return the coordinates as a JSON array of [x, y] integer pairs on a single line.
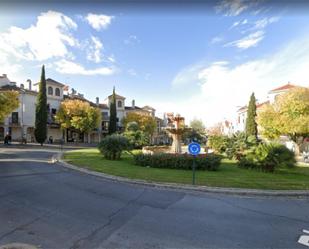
[[240, 123], [21, 122]]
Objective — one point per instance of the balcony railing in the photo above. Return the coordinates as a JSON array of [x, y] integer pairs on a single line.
[[14, 122]]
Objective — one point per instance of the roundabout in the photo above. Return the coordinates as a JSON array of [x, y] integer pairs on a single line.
[[49, 206]]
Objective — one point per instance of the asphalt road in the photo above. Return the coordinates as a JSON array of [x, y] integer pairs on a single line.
[[50, 206]]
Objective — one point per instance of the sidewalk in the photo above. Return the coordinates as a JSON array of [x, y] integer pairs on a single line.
[[52, 146]]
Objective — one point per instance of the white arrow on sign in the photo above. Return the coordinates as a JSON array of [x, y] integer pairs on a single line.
[[304, 239]]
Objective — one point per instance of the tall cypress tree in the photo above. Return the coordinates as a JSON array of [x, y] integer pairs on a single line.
[[112, 128], [251, 126], [40, 131]]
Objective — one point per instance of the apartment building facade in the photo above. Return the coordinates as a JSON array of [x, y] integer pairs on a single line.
[[20, 123]]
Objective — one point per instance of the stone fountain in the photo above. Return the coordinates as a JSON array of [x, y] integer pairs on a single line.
[[176, 131]]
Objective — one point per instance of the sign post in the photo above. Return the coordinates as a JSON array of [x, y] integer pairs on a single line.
[[194, 149]]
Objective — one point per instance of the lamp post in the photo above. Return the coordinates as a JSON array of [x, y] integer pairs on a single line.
[[22, 115]]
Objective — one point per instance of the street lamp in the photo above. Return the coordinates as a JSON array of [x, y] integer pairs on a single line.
[[22, 114]]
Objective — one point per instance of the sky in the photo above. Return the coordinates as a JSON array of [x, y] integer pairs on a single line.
[[199, 59]]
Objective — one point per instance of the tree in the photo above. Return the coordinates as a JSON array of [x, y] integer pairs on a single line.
[[251, 126], [112, 128], [289, 115], [146, 123], [137, 138], [196, 133], [197, 125], [40, 131], [78, 115], [269, 122], [132, 126], [8, 102]]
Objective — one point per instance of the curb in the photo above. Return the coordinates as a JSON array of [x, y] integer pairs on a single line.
[[174, 186]]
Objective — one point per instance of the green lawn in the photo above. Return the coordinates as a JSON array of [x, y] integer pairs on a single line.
[[228, 175]]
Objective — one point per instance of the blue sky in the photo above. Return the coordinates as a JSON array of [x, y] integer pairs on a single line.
[[202, 61]]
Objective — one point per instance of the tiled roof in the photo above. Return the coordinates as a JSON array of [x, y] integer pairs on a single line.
[[117, 96], [132, 108], [261, 104], [242, 108], [103, 106], [258, 105], [16, 88], [282, 88], [149, 107], [49, 80]]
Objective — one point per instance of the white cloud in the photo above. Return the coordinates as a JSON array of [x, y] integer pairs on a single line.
[[223, 86], [13, 70], [263, 23], [70, 67], [94, 50], [132, 72], [251, 40], [216, 39], [48, 38], [132, 39], [238, 23], [99, 22], [111, 58], [233, 7]]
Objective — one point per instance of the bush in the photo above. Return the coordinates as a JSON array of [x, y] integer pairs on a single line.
[[238, 144], [178, 161], [137, 139], [112, 146], [268, 157], [219, 143]]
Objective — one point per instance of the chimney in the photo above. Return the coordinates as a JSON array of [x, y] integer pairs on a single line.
[[29, 84], [4, 75], [133, 103], [97, 100]]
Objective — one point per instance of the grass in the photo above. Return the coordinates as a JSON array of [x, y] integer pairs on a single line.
[[228, 175]]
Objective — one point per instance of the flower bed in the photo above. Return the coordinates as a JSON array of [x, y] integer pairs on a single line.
[[156, 149], [178, 161]]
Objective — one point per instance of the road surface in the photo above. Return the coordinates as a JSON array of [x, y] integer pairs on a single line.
[[49, 206]]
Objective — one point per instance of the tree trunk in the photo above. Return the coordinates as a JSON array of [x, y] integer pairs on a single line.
[[89, 138]]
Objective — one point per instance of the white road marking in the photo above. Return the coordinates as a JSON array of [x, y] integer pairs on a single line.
[[304, 239]]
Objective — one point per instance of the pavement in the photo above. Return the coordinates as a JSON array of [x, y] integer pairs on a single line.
[[46, 205]]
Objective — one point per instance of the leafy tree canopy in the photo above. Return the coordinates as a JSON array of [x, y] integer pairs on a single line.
[[79, 115], [146, 123], [197, 125], [8, 102], [289, 115]]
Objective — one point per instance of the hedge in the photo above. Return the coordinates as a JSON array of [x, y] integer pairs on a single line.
[[209, 162]]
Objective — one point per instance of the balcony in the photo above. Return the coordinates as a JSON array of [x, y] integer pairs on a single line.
[[14, 122], [105, 118]]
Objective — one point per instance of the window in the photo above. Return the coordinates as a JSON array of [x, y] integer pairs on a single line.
[[57, 92], [119, 104], [14, 117], [50, 90], [104, 115]]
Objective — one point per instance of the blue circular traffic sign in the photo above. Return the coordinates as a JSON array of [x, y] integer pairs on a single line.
[[194, 149]]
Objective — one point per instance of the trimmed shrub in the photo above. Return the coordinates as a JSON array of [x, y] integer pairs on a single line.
[[112, 146], [178, 161], [268, 157]]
